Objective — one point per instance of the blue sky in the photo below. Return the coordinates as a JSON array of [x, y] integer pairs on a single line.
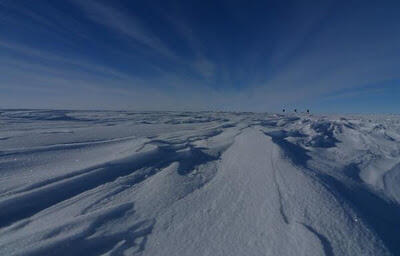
[[329, 56]]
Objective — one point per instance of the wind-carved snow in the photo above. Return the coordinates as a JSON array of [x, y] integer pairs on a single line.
[[181, 183]]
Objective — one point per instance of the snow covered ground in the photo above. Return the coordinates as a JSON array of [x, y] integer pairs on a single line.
[[206, 183]]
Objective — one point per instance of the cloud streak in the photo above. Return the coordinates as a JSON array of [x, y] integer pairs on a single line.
[[122, 23]]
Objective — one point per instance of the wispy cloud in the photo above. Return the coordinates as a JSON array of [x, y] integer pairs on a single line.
[[132, 27], [124, 24], [80, 64]]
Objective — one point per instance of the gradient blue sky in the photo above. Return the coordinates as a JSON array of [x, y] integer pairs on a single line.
[[330, 56]]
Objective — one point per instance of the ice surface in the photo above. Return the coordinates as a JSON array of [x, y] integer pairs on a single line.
[[198, 183]]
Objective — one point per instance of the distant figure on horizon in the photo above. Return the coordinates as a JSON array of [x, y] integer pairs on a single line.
[[308, 111], [283, 110], [295, 110]]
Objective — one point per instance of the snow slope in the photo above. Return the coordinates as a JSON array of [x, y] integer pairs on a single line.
[[207, 183]]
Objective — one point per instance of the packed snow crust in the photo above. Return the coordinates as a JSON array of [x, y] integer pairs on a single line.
[[204, 183]]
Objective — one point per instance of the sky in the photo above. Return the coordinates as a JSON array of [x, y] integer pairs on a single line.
[[326, 56]]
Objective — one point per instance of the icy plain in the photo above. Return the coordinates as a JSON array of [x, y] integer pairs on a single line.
[[198, 183]]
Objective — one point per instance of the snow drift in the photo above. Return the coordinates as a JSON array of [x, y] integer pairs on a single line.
[[181, 183]]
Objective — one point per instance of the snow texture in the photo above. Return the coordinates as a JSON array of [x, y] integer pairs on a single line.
[[205, 183]]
